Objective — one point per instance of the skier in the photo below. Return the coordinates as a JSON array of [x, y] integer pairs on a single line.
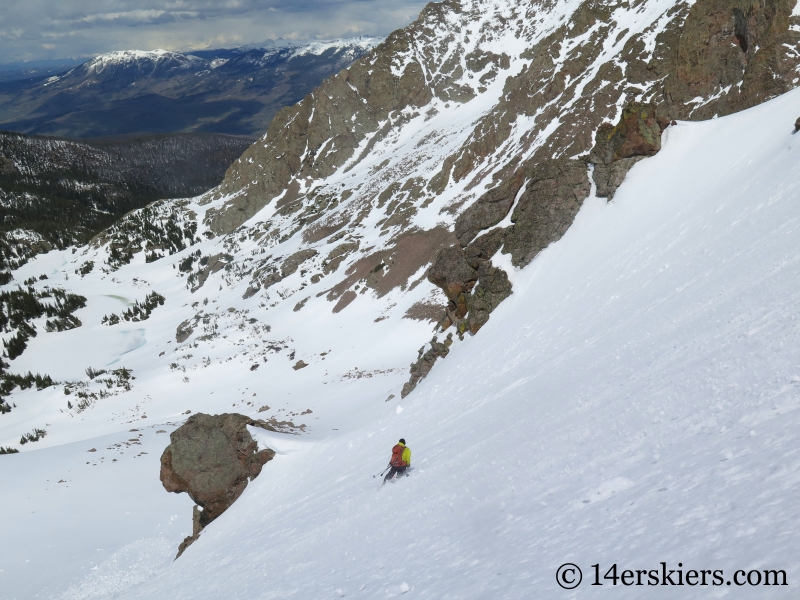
[[400, 461]]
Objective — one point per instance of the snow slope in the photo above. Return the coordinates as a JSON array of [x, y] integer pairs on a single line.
[[80, 526], [635, 401]]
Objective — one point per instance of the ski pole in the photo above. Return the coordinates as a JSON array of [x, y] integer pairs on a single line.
[[382, 472]]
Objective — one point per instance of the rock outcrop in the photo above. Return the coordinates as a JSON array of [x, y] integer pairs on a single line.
[[212, 458], [545, 195], [425, 361], [553, 196], [731, 55], [493, 287], [548, 196], [491, 207], [618, 147], [183, 331], [451, 272]]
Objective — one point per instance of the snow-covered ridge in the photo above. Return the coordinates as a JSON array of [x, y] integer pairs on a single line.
[[318, 47], [211, 81], [187, 60], [139, 57]]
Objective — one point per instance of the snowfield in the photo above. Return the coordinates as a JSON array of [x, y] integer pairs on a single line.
[[635, 401]]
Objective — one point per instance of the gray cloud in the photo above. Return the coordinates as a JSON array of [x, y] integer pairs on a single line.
[[43, 29]]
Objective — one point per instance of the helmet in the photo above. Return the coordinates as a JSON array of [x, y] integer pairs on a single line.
[[402, 441]]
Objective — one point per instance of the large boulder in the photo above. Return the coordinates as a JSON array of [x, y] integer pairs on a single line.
[[211, 458]]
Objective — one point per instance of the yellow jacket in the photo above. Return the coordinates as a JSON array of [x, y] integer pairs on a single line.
[[406, 455]]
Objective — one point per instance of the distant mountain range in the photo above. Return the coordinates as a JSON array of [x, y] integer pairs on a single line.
[[232, 91]]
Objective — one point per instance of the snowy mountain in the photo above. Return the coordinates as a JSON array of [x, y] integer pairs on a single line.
[[142, 63], [233, 91], [602, 277]]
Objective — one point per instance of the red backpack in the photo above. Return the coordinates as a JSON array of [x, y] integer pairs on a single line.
[[397, 456]]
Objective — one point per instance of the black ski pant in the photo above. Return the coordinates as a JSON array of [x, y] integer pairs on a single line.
[[394, 471]]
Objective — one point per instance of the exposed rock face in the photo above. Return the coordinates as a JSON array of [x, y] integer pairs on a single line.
[[609, 177], [291, 264], [470, 304], [618, 147], [548, 194], [391, 268], [183, 332], [424, 363], [269, 275], [740, 48], [554, 194], [212, 265], [694, 60], [638, 133], [212, 458], [490, 208], [337, 255], [451, 272], [293, 132], [493, 287], [485, 247]]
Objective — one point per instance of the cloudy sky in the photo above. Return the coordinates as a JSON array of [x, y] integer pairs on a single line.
[[52, 29]]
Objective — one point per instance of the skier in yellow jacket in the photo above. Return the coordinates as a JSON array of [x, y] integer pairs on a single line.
[[400, 461]]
